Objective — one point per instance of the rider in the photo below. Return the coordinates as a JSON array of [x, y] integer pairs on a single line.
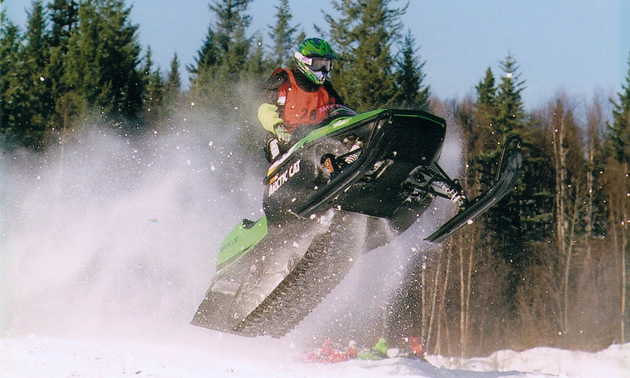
[[298, 96]]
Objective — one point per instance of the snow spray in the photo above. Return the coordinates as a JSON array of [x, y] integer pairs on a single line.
[[357, 309], [113, 237], [108, 235]]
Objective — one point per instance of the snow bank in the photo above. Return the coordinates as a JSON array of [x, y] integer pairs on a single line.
[[611, 362]]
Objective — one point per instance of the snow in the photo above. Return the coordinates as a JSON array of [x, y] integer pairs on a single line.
[[104, 257], [35, 356], [611, 362]]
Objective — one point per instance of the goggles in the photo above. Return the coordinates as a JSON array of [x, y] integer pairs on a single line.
[[321, 64], [316, 63]]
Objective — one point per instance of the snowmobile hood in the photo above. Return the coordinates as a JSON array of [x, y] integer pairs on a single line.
[[359, 163]]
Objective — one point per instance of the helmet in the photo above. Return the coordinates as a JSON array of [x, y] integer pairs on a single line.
[[314, 59]]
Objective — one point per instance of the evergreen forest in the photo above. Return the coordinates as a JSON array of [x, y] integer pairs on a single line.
[[546, 267]]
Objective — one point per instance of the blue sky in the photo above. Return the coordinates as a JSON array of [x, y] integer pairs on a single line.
[[577, 46]]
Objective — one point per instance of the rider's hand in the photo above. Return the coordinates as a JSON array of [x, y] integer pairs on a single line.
[[282, 133]]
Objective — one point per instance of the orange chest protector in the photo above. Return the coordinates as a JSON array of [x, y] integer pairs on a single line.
[[302, 107]]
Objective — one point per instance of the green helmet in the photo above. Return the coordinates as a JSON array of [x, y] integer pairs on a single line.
[[314, 58]]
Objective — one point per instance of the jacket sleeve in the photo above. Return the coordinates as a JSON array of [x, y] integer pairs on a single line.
[[268, 112], [268, 116]]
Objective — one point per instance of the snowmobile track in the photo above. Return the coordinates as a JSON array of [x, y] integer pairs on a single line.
[[324, 265]]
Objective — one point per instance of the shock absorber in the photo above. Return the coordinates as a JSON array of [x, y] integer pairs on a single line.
[[455, 194], [451, 188]]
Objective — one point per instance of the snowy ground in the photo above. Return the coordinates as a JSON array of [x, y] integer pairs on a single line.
[[106, 251], [52, 357]]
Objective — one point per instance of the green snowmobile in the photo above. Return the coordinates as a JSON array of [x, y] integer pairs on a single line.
[[342, 190]]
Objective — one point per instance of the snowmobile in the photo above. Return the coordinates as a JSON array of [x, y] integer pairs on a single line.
[[341, 190]]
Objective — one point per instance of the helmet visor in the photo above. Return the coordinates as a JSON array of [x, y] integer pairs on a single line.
[[319, 63]]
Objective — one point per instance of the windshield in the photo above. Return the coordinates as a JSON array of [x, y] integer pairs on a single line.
[[337, 111]]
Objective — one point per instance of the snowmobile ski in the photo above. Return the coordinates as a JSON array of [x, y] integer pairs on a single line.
[[507, 174]]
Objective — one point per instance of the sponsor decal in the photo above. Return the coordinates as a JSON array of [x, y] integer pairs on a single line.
[[281, 178], [228, 244]]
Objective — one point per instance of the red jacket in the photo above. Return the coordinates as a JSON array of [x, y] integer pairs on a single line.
[[302, 107], [299, 101]]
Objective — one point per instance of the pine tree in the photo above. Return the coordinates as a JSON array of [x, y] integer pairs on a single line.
[[225, 63], [411, 93], [36, 38], [282, 35], [340, 27], [154, 90], [28, 94], [103, 59], [300, 37], [362, 35], [510, 115], [172, 89], [232, 41], [505, 222], [485, 113], [256, 65], [10, 85], [619, 130], [225, 46], [64, 16], [206, 58], [616, 175], [174, 81], [36, 57], [486, 91], [223, 56], [120, 57]]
